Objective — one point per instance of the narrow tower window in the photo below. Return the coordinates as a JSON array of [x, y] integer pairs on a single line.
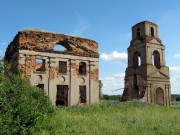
[[138, 32], [152, 31], [137, 60], [156, 59]]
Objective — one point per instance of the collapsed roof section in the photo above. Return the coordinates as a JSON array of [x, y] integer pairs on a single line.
[[45, 41]]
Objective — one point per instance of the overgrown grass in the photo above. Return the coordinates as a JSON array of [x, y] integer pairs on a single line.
[[114, 118], [32, 29]]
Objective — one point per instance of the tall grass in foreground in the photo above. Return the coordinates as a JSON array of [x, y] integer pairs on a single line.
[[115, 119]]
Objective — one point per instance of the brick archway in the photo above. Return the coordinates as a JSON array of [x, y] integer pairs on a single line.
[[159, 96]]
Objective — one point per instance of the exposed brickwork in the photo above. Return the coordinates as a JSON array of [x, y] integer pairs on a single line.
[[74, 69], [53, 71], [44, 41], [95, 74], [145, 39]]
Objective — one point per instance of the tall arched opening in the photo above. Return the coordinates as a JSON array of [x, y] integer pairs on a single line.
[[136, 60], [159, 96], [152, 31], [156, 59]]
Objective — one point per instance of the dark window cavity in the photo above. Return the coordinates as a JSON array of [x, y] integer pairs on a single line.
[[82, 68], [135, 87], [152, 31], [41, 86], [62, 67], [62, 95], [138, 32], [82, 94], [156, 59]]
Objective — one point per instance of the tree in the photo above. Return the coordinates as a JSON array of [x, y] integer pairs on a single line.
[[23, 107], [100, 89], [178, 99]]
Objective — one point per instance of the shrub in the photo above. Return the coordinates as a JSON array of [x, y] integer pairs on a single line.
[[112, 97], [22, 106], [178, 99]]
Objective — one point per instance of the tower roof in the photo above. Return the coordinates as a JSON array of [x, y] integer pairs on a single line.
[[145, 22]]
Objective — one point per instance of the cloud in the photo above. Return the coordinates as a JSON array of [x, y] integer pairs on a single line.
[[81, 27], [112, 83], [177, 55], [175, 74], [175, 80], [175, 69], [114, 56]]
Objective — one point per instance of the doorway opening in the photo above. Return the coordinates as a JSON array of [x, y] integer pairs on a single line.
[[159, 96], [62, 95], [82, 94], [135, 87]]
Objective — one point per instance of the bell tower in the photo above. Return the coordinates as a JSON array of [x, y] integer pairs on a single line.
[[147, 76]]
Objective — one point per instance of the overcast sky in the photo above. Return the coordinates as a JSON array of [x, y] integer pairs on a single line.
[[108, 22]]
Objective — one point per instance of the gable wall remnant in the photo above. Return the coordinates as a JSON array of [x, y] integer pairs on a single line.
[[44, 41], [33, 52]]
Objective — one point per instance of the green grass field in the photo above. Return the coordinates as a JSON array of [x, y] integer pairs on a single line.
[[114, 119]]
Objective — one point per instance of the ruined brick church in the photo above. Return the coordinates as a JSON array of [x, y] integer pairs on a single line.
[[147, 76], [69, 77]]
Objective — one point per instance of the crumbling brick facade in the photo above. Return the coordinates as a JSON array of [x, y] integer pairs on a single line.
[[147, 76], [69, 77]]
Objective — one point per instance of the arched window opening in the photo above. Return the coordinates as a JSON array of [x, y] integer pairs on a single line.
[[137, 60], [156, 59], [82, 68], [152, 31], [153, 59], [138, 32], [59, 47]]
